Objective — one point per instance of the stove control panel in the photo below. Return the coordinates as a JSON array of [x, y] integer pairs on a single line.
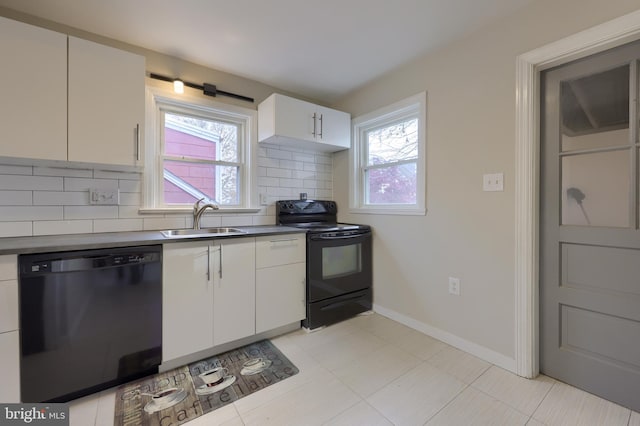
[[305, 207]]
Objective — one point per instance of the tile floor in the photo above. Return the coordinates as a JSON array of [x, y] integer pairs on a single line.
[[371, 371]]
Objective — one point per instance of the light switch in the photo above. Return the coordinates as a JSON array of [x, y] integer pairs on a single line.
[[493, 182]]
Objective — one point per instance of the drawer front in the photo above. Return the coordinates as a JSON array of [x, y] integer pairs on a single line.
[[280, 250], [9, 267], [8, 305]]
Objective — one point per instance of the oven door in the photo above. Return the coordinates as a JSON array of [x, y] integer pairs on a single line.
[[338, 263]]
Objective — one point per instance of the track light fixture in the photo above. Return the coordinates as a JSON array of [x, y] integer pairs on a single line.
[[207, 89]]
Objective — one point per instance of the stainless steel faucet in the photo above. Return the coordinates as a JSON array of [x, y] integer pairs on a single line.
[[198, 211]]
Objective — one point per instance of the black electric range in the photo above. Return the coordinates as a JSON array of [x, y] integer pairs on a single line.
[[339, 261]]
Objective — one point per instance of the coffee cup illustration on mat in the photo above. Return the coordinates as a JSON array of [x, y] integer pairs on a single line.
[[214, 376]]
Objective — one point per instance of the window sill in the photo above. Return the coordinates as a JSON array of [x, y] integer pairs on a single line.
[[189, 210], [389, 211]]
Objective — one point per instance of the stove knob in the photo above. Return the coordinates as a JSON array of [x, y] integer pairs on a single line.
[[290, 206]]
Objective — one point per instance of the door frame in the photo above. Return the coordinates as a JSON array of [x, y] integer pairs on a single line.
[[527, 192]]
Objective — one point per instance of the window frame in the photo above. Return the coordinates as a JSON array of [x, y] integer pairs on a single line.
[[413, 106], [159, 101]]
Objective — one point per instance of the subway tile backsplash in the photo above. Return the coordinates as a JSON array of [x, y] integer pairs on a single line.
[[37, 200]]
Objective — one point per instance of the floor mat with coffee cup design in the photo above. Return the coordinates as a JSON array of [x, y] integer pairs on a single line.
[[182, 394]]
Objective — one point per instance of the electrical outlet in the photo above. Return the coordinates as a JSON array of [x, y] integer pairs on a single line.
[[493, 182], [263, 199], [105, 197], [454, 286]]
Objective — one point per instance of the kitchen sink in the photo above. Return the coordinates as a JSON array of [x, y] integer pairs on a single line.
[[204, 232]]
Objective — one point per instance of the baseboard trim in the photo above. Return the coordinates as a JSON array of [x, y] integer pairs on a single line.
[[480, 351], [207, 353]]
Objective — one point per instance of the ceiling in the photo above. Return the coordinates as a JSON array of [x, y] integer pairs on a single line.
[[321, 49]]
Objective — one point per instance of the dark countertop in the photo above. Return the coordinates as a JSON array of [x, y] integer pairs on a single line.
[[53, 243]]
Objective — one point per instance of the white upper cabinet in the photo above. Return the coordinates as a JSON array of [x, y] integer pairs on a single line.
[[106, 103], [287, 121], [33, 83], [82, 102]]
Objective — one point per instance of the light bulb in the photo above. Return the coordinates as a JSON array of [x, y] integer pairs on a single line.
[[178, 86]]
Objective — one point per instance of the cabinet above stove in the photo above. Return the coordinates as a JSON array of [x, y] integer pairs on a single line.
[[283, 120]]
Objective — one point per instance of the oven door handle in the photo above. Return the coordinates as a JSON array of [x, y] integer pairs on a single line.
[[341, 303], [336, 237]]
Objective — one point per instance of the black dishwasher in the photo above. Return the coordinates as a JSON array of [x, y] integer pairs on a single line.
[[89, 320]]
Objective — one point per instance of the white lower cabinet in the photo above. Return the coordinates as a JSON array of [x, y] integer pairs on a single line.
[[234, 297], [280, 280], [280, 296], [208, 295], [10, 367], [9, 334], [187, 299]]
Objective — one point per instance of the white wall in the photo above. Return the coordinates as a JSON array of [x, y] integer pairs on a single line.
[[36, 200], [466, 233]]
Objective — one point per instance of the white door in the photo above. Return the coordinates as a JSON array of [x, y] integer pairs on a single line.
[[234, 297], [280, 295], [106, 103], [295, 118], [187, 299], [334, 127], [33, 87]]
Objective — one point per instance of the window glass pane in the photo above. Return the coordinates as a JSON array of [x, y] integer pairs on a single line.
[[228, 191], [185, 182], [595, 189], [193, 137], [595, 110], [392, 185], [391, 143]]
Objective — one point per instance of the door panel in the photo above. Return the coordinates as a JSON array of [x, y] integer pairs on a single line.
[[601, 336], [591, 268], [595, 189], [589, 239]]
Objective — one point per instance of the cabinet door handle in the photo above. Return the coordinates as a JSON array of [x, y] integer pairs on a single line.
[[275, 243], [314, 125], [220, 266], [138, 142], [304, 293], [320, 134], [208, 264]]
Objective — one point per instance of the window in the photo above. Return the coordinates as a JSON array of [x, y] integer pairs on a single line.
[[196, 149], [388, 159]]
